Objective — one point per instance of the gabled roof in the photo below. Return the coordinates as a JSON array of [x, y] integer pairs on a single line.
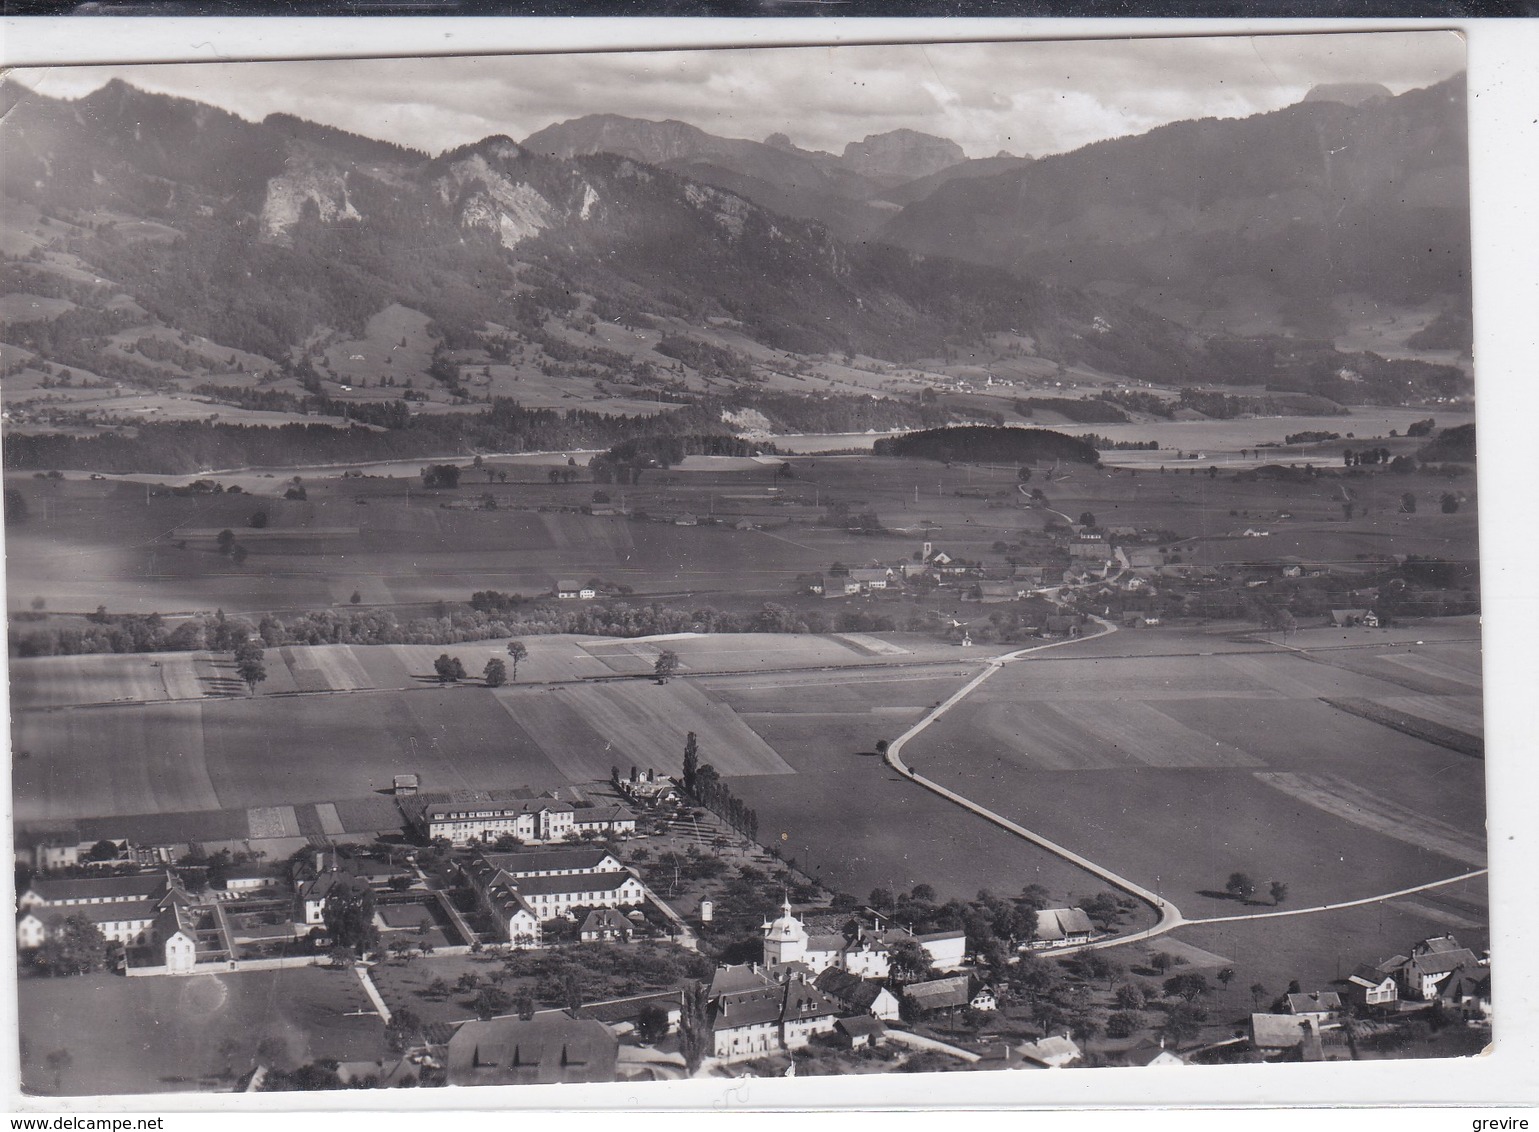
[[605, 920], [140, 886], [582, 882], [1313, 1002], [1058, 923], [1441, 962], [550, 1047], [519, 864], [936, 994], [855, 992], [1051, 1050], [861, 1026]]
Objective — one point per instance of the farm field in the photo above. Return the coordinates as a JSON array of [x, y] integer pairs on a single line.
[[163, 1035], [1227, 762], [1321, 947], [850, 820]]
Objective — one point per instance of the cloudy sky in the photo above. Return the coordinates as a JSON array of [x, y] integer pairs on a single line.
[[1037, 98]]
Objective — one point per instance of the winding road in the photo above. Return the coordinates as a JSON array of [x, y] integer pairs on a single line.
[[1170, 917]]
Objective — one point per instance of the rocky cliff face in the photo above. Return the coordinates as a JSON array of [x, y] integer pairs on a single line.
[[902, 155], [301, 185]]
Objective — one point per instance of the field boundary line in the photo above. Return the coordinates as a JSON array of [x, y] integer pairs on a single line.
[[1169, 915], [1343, 903]]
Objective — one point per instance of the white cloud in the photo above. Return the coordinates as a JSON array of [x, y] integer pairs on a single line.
[[1037, 97]]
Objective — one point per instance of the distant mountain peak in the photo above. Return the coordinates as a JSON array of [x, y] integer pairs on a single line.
[[1352, 94], [902, 153]]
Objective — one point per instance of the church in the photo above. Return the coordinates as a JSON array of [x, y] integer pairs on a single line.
[[866, 953]]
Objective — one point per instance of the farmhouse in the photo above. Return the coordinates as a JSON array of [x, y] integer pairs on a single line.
[[950, 993], [569, 589], [549, 1048], [1430, 965], [1061, 927], [1149, 1054], [753, 1014], [1343, 618], [865, 953], [870, 578]]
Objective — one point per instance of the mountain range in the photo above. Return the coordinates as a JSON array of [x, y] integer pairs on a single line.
[[1126, 256]]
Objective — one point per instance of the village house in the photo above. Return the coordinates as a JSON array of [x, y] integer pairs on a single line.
[[865, 953], [858, 995], [1051, 1052], [552, 1047], [870, 578], [1319, 1006], [569, 589], [605, 925], [752, 1014], [1431, 964], [983, 999], [861, 1032], [1370, 986]]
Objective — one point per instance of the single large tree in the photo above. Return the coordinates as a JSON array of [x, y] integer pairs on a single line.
[[252, 672], [1279, 891], [695, 1036], [691, 761], [517, 651], [349, 916], [1240, 886], [667, 664], [75, 947], [495, 673]]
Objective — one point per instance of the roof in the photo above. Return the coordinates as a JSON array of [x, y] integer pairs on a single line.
[[520, 864], [606, 920], [117, 911], [826, 941], [861, 1026], [582, 882], [1441, 962], [1439, 944], [936, 994], [1050, 1050], [144, 886], [854, 991], [1313, 1001], [869, 574], [737, 977], [1058, 923], [1369, 975], [551, 1047], [494, 802], [774, 1003], [628, 1009]]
